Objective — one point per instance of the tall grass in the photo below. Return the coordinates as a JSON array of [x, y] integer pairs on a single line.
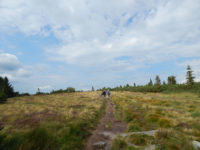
[[65, 126]]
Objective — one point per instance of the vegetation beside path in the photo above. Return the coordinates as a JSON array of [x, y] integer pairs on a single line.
[[175, 116], [45, 122]]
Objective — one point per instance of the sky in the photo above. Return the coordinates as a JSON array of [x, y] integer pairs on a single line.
[[83, 43]]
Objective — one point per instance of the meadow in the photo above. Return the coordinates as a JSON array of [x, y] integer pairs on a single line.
[[176, 117], [45, 122], [64, 121]]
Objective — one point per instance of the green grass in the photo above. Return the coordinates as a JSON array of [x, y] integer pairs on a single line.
[[175, 114], [49, 122], [195, 114]]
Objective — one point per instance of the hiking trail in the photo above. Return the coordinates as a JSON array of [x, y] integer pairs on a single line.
[[106, 130]]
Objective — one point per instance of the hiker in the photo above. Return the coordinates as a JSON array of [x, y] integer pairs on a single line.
[[103, 93], [108, 93]]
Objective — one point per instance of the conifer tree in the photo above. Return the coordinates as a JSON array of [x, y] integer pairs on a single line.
[[6, 89], [189, 76], [150, 83], [92, 88], [157, 80], [134, 84], [171, 80]]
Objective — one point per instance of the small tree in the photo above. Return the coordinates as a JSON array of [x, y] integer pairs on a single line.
[[6, 89], [150, 83], [134, 84], [70, 89], [189, 76], [92, 88], [171, 80], [157, 80], [164, 83]]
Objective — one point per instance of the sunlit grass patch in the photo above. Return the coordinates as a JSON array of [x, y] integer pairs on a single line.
[[59, 121], [195, 114], [119, 144], [140, 139], [178, 113]]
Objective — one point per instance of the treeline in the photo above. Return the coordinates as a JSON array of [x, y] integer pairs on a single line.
[[6, 90], [157, 86], [67, 90]]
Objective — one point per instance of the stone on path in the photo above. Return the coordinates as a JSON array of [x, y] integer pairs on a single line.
[[150, 147], [150, 133], [109, 135], [100, 144], [196, 145]]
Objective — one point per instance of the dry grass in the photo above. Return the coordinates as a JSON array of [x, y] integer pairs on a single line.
[[62, 106], [179, 113], [64, 118]]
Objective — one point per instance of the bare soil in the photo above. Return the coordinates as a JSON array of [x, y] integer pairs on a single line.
[[33, 119], [108, 124]]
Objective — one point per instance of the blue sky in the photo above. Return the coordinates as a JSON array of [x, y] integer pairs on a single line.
[[55, 44]]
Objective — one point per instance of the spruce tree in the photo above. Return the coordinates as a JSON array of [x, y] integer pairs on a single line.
[[6, 89], [189, 76], [171, 80], [157, 80], [164, 83], [150, 83], [134, 84]]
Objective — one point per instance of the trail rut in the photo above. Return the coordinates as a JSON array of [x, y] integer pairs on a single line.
[[108, 126]]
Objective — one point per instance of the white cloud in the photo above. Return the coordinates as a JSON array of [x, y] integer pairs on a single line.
[[46, 87], [8, 62], [11, 67], [94, 33]]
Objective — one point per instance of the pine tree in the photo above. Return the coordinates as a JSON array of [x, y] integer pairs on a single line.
[[6, 89], [189, 76], [157, 80], [134, 84], [92, 88], [2, 93], [171, 80], [150, 83]]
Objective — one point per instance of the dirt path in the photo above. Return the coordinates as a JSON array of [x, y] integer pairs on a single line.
[[100, 138]]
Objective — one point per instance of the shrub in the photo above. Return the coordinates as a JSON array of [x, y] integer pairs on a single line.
[[70, 89]]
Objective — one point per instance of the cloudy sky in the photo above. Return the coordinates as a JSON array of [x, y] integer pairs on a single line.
[[82, 43]]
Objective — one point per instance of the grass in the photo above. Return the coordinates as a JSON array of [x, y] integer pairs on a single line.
[[64, 121], [176, 116], [45, 122]]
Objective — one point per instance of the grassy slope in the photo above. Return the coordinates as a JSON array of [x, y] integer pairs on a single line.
[[57, 121], [177, 116]]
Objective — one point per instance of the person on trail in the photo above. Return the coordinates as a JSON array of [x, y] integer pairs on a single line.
[[108, 93], [103, 93]]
